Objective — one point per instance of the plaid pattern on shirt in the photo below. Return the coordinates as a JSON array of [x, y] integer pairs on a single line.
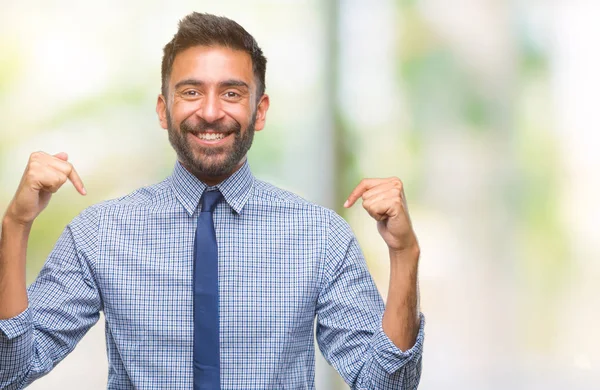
[[283, 262]]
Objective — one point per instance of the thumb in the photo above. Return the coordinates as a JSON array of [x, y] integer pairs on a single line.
[[62, 155]]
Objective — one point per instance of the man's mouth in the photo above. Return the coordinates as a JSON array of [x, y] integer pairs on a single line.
[[211, 136]]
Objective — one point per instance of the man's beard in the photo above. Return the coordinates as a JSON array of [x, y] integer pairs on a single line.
[[199, 159]]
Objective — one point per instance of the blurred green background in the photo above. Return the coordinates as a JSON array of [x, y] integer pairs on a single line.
[[486, 109]]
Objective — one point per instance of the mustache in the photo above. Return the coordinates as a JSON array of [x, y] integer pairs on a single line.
[[204, 126]]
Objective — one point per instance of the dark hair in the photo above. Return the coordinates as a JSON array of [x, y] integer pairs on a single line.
[[198, 29]]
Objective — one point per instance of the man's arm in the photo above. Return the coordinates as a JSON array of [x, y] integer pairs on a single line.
[[385, 201], [25, 352], [401, 317], [349, 321], [43, 176], [13, 249]]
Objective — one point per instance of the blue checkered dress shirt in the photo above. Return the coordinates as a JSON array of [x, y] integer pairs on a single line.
[[282, 262]]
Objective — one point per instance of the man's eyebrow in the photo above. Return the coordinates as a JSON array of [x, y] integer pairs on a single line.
[[225, 83], [234, 83], [192, 82]]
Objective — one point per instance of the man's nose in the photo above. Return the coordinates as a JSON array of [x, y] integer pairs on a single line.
[[210, 108]]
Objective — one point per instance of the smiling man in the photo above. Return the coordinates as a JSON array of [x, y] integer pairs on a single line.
[[212, 278]]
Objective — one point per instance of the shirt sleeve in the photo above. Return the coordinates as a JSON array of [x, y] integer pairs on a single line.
[[64, 303], [349, 321]]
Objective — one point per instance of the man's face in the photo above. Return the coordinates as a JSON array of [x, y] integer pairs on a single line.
[[211, 111]]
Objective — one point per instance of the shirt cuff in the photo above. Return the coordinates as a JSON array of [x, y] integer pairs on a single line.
[[16, 326], [392, 358]]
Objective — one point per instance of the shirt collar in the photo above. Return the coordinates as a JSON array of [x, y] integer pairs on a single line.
[[188, 189]]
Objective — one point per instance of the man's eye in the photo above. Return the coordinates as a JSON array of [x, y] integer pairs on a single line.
[[231, 95], [191, 93]]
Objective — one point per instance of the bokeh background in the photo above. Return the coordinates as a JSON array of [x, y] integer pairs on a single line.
[[486, 109]]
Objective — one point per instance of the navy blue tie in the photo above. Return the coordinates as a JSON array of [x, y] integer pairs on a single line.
[[206, 298]]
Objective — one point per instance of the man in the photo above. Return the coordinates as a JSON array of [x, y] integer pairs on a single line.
[[210, 279]]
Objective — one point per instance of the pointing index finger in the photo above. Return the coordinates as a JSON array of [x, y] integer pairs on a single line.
[[360, 189], [77, 182], [73, 176]]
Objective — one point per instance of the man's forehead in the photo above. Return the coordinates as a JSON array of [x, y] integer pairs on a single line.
[[212, 64]]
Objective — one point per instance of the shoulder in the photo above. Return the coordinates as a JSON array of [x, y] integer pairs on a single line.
[[140, 200], [288, 201], [268, 194]]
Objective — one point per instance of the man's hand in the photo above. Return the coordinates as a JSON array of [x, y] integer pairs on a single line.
[[43, 176], [384, 200]]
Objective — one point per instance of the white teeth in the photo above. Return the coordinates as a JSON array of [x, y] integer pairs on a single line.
[[211, 136]]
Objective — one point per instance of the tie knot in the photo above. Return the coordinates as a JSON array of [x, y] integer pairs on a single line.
[[210, 199]]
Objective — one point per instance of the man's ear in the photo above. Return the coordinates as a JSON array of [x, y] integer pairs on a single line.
[[261, 112], [161, 110]]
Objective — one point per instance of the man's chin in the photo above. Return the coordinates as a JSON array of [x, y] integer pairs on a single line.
[[213, 167]]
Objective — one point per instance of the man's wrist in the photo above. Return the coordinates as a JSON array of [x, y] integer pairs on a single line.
[[13, 231], [409, 255], [10, 223]]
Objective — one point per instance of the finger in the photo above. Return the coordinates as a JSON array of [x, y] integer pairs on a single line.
[[393, 188], [62, 156], [68, 169], [59, 165], [364, 185], [57, 162], [77, 182], [383, 206], [54, 180], [375, 214], [47, 179]]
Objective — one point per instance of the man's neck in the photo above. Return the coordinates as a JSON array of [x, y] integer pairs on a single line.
[[211, 181]]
